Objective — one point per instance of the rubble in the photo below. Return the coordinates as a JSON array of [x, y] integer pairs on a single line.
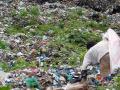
[[114, 19]]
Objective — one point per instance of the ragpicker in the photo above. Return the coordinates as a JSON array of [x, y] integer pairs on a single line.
[[106, 53]]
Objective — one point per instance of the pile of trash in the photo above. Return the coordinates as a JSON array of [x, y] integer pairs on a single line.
[[34, 50], [94, 77], [60, 77], [53, 77], [38, 48]]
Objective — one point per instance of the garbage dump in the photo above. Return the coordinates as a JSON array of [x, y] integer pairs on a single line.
[[59, 45]]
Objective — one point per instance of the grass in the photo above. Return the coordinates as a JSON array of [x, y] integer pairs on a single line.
[[34, 11], [5, 88], [3, 45], [12, 30], [19, 64]]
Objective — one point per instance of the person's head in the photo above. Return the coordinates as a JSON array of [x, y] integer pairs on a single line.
[[118, 32], [105, 36], [90, 44]]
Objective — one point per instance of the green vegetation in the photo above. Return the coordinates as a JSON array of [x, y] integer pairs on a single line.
[[5, 88], [23, 13], [34, 11], [116, 85], [2, 45], [101, 88], [19, 64], [82, 37]]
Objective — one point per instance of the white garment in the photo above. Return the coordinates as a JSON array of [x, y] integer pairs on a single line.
[[95, 53], [111, 44], [114, 50]]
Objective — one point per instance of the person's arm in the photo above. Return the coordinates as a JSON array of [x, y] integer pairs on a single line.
[[87, 60]]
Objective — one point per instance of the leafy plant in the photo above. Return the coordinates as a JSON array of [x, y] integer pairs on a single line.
[[34, 11], [23, 13]]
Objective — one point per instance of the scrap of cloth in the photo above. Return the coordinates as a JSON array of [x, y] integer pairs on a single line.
[[110, 44]]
